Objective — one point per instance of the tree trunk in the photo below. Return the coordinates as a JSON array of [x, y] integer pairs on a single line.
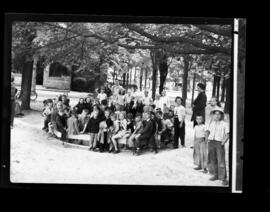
[[145, 78], [214, 86], [135, 73], [185, 79], [154, 74], [228, 96], [218, 87], [34, 75], [113, 74], [130, 74], [127, 79], [163, 71], [26, 84], [193, 87], [141, 78], [223, 90], [124, 79]]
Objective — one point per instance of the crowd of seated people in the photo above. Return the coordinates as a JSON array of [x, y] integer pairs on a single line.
[[113, 120]]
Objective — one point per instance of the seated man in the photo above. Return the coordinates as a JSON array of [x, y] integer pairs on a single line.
[[145, 134], [59, 121]]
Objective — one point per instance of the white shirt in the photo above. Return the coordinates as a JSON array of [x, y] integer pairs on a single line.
[[128, 98], [218, 130], [120, 99], [159, 104], [180, 111], [116, 89], [199, 131], [101, 96], [165, 100], [147, 100]]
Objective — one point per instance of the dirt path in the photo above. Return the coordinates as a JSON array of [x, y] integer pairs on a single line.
[[35, 159]]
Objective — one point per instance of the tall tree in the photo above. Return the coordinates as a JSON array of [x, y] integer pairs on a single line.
[[187, 61], [163, 71]]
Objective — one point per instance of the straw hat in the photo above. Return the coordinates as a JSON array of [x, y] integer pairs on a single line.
[[219, 109]]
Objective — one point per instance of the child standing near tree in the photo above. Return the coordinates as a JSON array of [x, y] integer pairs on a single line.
[[47, 112], [93, 128], [200, 146]]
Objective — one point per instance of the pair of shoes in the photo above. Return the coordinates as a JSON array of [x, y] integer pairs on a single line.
[[225, 182], [205, 171], [111, 150], [91, 148], [197, 168], [95, 149], [213, 178], [116, 151]]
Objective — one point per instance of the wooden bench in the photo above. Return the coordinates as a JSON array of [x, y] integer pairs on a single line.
[[83, 137]]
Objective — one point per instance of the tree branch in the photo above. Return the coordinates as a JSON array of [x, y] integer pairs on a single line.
[[226, 33], [177, 39]]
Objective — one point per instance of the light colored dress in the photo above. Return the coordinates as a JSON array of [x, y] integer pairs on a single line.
[[72, 126]]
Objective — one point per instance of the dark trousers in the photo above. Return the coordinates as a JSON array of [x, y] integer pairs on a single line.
[[216, 159], [153, 143], [46, 121], [179, 132], [142, 140], [63, 133], [12, 112]]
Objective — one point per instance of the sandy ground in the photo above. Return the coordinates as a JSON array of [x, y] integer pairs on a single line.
[[36, 159]]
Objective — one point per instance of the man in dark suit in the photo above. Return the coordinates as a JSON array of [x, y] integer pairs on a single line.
[[199, 104], [145, 134]]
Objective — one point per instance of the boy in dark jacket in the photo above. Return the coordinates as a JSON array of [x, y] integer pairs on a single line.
[[145, 134]]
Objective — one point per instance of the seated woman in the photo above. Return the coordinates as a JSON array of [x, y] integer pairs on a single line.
[[59, 121], [88, 104], [63, 98], [80, 106], [122, 131]]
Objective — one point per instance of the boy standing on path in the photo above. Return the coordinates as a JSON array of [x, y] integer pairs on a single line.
[[217, 134]]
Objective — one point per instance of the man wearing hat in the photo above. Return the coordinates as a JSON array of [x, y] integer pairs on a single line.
[[199, 104], [13, 97], [217, 134]]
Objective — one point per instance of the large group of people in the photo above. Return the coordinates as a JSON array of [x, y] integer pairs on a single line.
[[116, 119]]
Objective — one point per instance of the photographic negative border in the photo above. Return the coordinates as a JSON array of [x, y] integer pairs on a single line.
[[5, 150]]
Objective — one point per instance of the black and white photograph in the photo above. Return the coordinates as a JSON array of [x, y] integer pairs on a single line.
[[126, 102]]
